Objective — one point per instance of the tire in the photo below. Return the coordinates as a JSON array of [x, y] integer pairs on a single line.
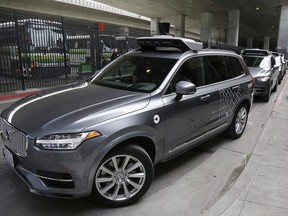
[[280, 80], [123, 176], [275, 87], [239, 122], [266, 97]]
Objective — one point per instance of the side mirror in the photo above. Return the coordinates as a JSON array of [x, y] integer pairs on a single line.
[[184, 88]]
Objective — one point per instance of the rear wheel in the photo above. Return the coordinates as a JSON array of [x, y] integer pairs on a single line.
[[275, 87], [280, 80], [238, 124], [123, 176]]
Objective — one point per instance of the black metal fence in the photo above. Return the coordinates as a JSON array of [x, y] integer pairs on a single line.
[[41, 51]]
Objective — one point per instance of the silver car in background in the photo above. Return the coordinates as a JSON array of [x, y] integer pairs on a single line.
[[281, 66]]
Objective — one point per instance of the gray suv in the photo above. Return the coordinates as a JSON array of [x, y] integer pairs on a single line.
[[263, 67], [147, 106]]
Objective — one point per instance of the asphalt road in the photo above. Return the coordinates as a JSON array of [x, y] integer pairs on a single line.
[[187, 185]]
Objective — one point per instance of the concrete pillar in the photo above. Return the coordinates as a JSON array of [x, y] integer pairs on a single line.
[[250, 42], [233, 27], [180, 25], [266, 44], [154, 30], [206, 27], [124, 31], [283, 31]]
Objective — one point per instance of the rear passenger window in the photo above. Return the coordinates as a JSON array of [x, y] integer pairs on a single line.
[[235, 68], [215, 69]]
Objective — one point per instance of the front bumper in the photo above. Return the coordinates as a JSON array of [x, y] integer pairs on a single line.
[[64, 174], [261, 88]]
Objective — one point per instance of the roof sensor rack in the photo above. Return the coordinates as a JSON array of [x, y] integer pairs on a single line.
[[256, 52], [184, 44]]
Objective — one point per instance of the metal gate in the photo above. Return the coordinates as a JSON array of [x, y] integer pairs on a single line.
[[40, 51]]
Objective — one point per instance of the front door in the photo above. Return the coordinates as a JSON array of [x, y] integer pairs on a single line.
[[187, 118]]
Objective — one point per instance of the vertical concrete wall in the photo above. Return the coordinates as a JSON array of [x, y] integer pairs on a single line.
[[282, 42], [249, 42], [266, 44], [206, 27], [180, 25], [154, 30], [233, 27]]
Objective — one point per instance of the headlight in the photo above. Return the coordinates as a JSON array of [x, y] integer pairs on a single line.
[[64, 141], [262, 79]]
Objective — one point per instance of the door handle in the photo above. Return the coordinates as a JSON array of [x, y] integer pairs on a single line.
[[205, 98]]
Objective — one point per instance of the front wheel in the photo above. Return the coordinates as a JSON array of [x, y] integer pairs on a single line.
[[238, 124], [123, 176]]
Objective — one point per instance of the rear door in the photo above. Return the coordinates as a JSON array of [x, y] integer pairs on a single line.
[[221, 73]]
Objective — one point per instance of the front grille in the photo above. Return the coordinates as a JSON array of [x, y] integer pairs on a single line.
[[14, 139]]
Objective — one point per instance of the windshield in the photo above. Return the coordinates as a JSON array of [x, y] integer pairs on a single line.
[[135, 73], [256, 61]]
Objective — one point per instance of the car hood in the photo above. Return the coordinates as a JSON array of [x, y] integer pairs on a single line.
[[71, 108], [256, 71]]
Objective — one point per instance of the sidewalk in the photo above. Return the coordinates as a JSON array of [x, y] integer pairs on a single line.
[[261, 189], [17, 94]]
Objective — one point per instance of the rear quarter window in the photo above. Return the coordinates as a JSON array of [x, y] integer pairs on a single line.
[[235, 68], [215, 69]]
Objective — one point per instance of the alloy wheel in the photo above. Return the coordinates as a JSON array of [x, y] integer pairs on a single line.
[[120, 177], [241, 120]]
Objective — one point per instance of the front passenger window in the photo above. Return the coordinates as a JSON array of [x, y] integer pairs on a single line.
[[191, 71]]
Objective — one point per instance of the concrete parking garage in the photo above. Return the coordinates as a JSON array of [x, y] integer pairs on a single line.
[[244, 177]]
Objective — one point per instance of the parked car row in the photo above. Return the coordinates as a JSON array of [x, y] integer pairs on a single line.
[[267, 68], [105, 135]]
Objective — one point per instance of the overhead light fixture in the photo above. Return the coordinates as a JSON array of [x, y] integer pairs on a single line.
[[257, 8]]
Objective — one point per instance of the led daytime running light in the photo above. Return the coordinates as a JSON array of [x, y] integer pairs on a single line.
[[64, 141]]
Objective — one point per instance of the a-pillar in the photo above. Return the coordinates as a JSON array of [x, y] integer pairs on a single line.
[[206, 27], [266, 44], [249, 42], [283, 31], [154, 29], [180, 25], [233, 27]]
